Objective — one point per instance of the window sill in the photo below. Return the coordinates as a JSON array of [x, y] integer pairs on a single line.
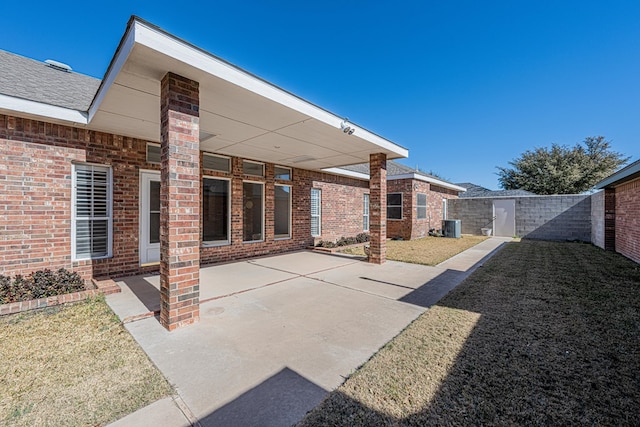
[[214, 244]]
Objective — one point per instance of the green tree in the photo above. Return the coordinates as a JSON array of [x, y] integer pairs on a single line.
[[562, 169]]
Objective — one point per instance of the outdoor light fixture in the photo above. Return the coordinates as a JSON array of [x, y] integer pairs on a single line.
[[346, 128]]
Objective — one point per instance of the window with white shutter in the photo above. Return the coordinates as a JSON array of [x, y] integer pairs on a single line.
[[91, 222], [421, 208], [365, 215], [316, 212]]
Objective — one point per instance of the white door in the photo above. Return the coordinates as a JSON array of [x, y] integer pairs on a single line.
[[149, 217], [504, 218]]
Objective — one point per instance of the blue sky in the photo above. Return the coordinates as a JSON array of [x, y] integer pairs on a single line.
[[466, 86]]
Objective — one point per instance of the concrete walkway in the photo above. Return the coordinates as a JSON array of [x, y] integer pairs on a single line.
[[276, 334]]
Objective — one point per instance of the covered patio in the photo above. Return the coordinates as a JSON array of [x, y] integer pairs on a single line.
[[277, 333], [161, 88]]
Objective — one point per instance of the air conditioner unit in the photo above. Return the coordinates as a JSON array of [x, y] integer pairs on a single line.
[[451, 228]]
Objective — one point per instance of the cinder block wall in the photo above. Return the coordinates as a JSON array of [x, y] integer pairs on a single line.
[[597, 219], [473, 213], [562, 217]]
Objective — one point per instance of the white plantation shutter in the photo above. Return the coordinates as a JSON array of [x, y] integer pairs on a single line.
[[422, 206], [365, 215], [91, 211], [315, 212]]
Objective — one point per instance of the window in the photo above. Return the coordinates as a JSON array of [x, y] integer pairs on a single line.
[[365, 215], [253, 214], [394, 206], [153, 153], [422, 206], [216, 163], [316, 218], [282, 211], [282, 173], [252, 168], [444, 208], [92, 221], [215, 211]]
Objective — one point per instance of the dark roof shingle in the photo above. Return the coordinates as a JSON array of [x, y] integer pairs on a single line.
[[474, 190], [32, 80]]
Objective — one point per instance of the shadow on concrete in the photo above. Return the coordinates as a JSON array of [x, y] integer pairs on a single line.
[[281, 400], [148, 294], [532, 358]]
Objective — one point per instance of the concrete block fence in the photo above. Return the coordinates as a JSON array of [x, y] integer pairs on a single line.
[[559, 217]]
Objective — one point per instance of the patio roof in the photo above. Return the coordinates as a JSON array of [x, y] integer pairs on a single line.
[[240, 114]]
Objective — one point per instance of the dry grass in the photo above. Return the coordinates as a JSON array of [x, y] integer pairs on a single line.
[[544, 334], [426, 251], [72, 366]]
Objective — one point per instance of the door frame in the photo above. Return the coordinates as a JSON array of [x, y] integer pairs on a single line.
[[146, 176]]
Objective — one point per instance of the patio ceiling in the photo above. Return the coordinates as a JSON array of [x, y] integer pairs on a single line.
[[240, 114]]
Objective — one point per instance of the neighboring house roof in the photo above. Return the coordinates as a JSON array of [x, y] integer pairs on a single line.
[[625, 174], [476, 191], [37, 81], [394, 171], [240, 114]]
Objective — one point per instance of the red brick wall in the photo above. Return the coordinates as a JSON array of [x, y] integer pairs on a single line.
[[410, 227], [342, 210], [35, 195], [401, 227], [627, 235], [35, 201]]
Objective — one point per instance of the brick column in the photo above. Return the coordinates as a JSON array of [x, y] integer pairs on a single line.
[[179, 202], [378, 208], [610, 219]]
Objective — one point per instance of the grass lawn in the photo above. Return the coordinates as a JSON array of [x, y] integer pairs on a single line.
[[72, 365], [427, 251], [543, 334]]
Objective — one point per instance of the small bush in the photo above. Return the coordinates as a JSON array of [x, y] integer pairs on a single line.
[[362, 238], [39, 284], [344, 241]]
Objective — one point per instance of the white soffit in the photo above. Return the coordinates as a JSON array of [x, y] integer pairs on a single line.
[[248, 116]]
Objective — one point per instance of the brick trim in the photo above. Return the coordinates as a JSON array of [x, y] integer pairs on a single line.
[[103, 287]]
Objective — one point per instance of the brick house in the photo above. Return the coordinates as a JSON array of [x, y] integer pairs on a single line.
[[416, 201], [174, 159], [619, 202]]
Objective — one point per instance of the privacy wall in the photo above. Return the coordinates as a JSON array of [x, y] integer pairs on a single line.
[[597, 219], [561, 217]]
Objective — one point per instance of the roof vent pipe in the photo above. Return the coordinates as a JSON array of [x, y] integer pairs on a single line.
[[58, 65]]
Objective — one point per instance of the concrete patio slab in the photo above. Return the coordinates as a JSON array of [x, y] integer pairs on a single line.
[[283, 331], [301, 263], [163, 412]]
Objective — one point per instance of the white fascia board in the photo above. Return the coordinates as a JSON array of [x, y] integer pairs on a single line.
[[33, 108], [162, 42], [623, 174], [345, 172], [118, 61], [427, 179]]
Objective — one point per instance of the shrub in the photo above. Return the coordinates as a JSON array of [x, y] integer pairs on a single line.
[[39, 284], [362, 238], [344, 241]]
